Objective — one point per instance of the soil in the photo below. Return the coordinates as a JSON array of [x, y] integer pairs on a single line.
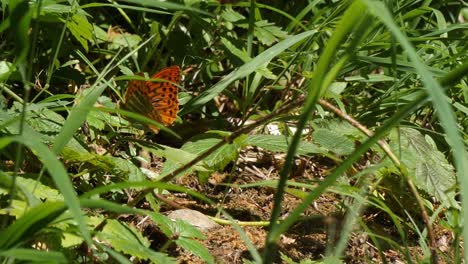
[[310, 238]]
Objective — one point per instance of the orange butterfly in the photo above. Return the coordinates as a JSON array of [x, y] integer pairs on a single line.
[[156, 100]]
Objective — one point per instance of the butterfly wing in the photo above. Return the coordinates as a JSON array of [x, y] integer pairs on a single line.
[[164, 95], [156, 100]]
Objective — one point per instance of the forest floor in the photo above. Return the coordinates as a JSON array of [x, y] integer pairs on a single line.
[[310, 238]]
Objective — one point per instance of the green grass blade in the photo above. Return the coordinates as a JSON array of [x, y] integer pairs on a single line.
[[30, 223], [34, 255], [348, 22], [439, 100], [167, 5], [77, 117], [58, 173], [244, 71]]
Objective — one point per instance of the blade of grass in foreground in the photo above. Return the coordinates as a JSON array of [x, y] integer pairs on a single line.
[[244, 71], [439, 99], [347, 23], [30, 223], [35, 255], [58, 173]]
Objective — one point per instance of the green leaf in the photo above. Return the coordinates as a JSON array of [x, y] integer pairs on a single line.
[[127, 239], [281, 144], [244, 71], [218, 159], [58, 174], [176, 158], [242, 55], [333, 141], [166, 5], [231, 15], [33, 221], [6, 68], [54, 8], [184, 229], [125, 40], [125, 169], [430, 168], [29, 199], [76, 117], [197, 145], [35, 255], [81, 29], [196, 248], [20, 20], [39, 190], [268, 33]]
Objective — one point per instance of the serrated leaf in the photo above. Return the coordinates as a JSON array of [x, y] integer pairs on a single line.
[[345, 129], [184, 229], [127, 239], [430, 168], [218, 159], [281, 144], [74, 152], [196, 248], [176, 158], [163, 222], [40, 190], [333, 142], [268, 33], [96, 120], [241, 54], [232, 16], [215, 161], [81, 29]]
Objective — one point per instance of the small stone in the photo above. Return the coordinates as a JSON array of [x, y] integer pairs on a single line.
[[195, 218]]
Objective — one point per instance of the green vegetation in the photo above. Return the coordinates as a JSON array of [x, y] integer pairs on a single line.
[[363, 101]]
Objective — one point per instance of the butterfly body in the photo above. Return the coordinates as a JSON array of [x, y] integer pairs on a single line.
[[155, 99]]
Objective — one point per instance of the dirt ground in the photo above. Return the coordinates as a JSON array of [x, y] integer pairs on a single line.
[[308, 239]]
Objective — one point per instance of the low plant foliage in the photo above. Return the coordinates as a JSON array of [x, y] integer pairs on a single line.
[[364, 101]]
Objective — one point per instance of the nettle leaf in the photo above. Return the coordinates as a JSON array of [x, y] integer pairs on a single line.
[[197, 145], [218, 159], [39, 190], [96, 120], [333, 142], [184, 229], [232, 16], [176, 158], [163, 222], [430, 168], [99, 119], [241, 54], [341, 127], [81, 29], [279, 143], [41, 122], [268, 33], [74, 152], [127, 239]]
